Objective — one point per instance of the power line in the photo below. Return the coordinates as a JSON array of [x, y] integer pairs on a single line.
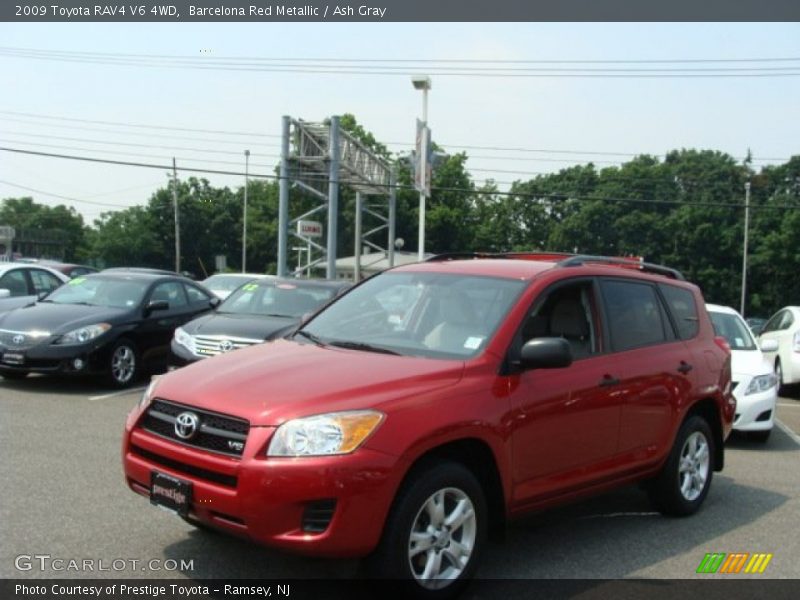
[[505, 72], [132, 144], [537, 196], [433, 60], [407, 144], [141, 126], [148, 134], [30, 189]]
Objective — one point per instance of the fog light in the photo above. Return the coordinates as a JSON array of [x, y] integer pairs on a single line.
[[78, 364]]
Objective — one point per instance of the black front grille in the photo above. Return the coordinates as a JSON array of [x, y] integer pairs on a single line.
[[764, 416], [215, 432], [318, 514], [213, 476]]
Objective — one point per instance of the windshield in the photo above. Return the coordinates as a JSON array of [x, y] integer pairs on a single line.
[[100, 291], [423, 314], [733, 329], [226, 283], [276, 299]]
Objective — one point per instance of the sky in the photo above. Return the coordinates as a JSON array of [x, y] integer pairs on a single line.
[[545, 116]]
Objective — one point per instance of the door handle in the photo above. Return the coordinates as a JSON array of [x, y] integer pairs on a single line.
[[608, 381], [685, 367]]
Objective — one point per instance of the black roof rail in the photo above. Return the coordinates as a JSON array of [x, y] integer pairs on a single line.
[[582, 259], [530, 255]]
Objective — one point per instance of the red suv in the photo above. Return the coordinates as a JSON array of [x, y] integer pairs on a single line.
[[415, 415]]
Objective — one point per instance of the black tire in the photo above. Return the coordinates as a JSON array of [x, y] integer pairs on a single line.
[[666, 491], [123, 364], [15, 375], [392, 559], [760, 436], [779, 375]]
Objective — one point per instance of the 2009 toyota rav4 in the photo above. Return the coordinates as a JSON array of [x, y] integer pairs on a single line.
[[415, 415]]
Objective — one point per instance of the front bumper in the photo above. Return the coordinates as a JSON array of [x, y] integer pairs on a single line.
[[756, 412], [51, 358], [180, 356], [267, 499]]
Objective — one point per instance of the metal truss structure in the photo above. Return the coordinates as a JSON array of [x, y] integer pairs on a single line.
[[318, 158]]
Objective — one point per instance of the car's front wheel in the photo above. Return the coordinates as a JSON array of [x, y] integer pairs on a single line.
[[435, 532], [123, 367], [685, 479]]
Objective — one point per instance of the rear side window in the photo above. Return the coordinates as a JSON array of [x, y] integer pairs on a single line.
[[684, 310], [44, 281], [14, 281], [634, 314]]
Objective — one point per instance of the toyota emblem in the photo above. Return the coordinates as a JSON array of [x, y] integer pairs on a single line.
[[186, 425], [18, 339], [226, 346]]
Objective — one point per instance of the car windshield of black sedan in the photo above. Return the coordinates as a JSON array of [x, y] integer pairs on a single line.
[[423, 314], [98, 290], [276, 299]]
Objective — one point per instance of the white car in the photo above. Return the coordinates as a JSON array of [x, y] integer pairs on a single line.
[[222, 284], [23, 283], [784, 328], [755, 385]]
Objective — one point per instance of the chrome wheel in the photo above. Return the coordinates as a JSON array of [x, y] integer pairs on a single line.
[[442, 538], [123, 364], [695, 461]]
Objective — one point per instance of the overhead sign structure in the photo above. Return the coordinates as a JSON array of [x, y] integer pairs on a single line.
[[309, 229]]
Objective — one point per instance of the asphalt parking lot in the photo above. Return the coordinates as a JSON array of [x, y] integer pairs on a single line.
[[63, 495]]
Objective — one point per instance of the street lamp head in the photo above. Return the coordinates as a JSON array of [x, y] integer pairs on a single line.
[[247, 152], [421, 82]]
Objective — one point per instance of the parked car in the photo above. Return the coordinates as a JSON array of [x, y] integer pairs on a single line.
[[222, 284], [111, 324], [510, 383], [754, 382], [22, 283], [784, 328], [71, 270], [261, 310], [756, 324]]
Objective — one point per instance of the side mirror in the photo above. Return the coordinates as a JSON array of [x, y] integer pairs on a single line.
[[42, 295], [546, 353], [155, 305], [5, 293], [214, 302], [769, 345]]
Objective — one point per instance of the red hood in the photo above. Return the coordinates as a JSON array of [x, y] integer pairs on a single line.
[[270, 383]]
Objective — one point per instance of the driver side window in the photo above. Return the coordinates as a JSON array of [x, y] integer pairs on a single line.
[[566, 312]]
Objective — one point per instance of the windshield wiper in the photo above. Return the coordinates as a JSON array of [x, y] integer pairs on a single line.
[[309, 336], [362, 346]]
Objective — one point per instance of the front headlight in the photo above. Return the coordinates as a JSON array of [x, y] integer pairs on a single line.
[[184, 339], [84, 334], [761, 383], [320, 435], [144, 401]]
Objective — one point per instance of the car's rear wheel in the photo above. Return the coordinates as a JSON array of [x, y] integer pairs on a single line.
[[435, 531], [123, 367], [685, 479]]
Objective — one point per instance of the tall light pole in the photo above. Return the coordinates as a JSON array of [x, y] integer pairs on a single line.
[[744, 254], [244, 219], [422, 82]]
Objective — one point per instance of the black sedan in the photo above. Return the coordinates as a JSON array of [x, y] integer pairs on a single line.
[[114, 324], [261, 310]]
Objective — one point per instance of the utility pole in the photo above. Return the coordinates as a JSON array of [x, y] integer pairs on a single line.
[[244, 219], [177, 219], [744, 255]]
